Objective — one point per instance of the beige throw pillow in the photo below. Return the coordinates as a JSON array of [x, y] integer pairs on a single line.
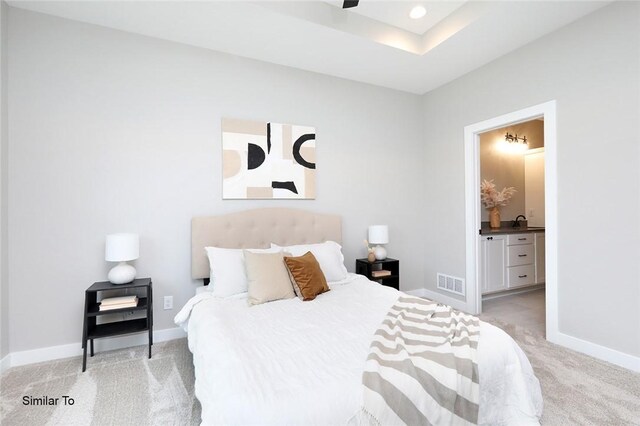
[[268, 277]]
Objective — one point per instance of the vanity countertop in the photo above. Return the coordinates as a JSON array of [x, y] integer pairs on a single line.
[[510, 230]]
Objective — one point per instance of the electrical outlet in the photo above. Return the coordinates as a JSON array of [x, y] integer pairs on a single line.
[[531, 213], [128, 315], [168, 302]]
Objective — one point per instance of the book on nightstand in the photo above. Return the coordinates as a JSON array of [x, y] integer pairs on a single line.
[[381, 273], [121, 302]]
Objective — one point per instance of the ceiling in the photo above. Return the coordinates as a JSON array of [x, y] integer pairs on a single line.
[[396, 13], [374, 43]]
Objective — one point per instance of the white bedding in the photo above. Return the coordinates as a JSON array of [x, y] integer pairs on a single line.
[[294, 362]]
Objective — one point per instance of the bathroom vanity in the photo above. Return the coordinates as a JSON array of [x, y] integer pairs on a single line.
[[511, 258]]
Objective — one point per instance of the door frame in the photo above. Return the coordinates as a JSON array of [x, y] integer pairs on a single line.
[[547, 111]]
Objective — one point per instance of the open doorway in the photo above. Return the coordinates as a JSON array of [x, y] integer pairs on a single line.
[[512, 229], [518, 278]]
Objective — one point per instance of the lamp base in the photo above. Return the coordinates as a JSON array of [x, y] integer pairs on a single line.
[[122, 273], [380, 253]]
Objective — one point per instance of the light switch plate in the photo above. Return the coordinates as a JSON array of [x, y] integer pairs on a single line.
[[168, 302]]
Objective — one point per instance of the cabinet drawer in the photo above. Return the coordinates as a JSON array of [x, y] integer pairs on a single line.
[[520, 275], [516, 239], [520, 255]]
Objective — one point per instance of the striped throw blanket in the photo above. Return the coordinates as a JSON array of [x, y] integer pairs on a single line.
[[422, 367]]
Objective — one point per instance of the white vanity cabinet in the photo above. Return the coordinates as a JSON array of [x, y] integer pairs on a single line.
[[520, 260], [493, 252], [539, 246], [511, 260]]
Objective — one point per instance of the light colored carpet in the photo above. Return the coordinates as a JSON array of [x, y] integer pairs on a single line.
[[124, 387], [120, 387], [577, 389]]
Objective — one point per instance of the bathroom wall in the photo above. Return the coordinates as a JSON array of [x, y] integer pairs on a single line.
[[503, 164]]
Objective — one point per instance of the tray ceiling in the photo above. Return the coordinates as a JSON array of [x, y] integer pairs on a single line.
[[373, 43]]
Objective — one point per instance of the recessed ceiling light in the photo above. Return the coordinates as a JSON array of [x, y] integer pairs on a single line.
[[417, 12]]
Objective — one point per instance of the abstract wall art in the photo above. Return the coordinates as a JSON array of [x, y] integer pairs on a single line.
[[264, 160]]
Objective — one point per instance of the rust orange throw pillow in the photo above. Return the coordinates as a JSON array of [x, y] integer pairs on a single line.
[[306, 275]]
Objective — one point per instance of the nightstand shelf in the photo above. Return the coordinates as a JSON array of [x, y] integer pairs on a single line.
[[388, 277], [94, 308], [92, 330], [364, 267], [117, 328]]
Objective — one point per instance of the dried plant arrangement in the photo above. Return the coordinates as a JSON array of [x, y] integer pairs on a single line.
[[370, 255], [491, 197]]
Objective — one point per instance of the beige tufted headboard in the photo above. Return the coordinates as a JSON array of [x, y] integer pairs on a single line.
[[258, 229]]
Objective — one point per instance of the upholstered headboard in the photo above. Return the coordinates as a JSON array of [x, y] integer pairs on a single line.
[[258, 229]]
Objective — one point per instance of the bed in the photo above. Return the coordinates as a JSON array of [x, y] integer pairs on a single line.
[[295, 362]]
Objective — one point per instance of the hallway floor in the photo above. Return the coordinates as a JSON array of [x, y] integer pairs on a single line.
[[525, 309]]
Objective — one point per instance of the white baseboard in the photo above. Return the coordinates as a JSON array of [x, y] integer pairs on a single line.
[[417, 292], [438, 297], [4, 363], [50, 353], [597, 351]]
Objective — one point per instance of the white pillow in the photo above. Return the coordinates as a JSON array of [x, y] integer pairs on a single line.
[[228, 274], [328, 254]]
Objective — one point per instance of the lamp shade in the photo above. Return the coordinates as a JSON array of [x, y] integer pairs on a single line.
[[378, 234], [122, 247]]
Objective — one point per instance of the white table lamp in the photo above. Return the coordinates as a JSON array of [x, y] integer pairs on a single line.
[[122, 248], [379, 234]]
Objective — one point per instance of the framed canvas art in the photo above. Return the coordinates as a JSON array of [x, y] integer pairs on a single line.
[[265, 160]]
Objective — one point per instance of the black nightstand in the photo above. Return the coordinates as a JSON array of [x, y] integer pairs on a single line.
[[91, 330], [364, 267]]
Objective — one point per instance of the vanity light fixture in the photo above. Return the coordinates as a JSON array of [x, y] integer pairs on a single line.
[[515, 139], [417, 12]]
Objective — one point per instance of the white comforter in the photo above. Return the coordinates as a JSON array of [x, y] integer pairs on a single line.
[[300, 363]]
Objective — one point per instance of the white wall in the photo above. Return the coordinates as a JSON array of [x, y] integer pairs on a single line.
[[4, 285], [592, 69], [118, 132]]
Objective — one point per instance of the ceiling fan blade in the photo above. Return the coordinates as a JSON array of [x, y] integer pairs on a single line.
[[350, 3]]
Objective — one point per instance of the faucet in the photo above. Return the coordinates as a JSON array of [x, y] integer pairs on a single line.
[[516, 223]]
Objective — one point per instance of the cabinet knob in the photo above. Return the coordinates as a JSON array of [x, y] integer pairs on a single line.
[[522, 239], [522, 276], [522, 255], [489, 238]]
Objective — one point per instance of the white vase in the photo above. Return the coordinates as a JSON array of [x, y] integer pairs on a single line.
[[380, 253], [122, 273]]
